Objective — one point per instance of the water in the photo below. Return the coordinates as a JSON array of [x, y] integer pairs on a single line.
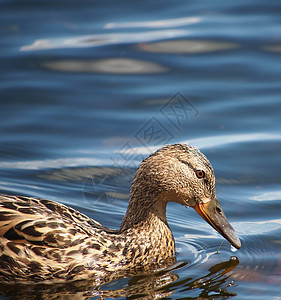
[[89, 88]]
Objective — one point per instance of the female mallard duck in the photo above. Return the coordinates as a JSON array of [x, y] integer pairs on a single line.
[[44, 241]]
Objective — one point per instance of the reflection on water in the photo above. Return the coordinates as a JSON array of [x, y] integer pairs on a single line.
[[216, 284], [112, 65], [273, 48], [275, 195], [103, 40], [165, 23], [187, 46]]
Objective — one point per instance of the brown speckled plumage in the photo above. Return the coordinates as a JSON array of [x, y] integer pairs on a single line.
[[44, 241]]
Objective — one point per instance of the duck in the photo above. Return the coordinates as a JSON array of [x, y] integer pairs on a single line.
[[43, 241]]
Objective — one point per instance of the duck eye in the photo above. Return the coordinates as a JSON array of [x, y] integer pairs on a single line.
[[200, 173]]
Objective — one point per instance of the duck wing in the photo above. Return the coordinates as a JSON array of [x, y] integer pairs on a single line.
[[44, 240], [43, 222]]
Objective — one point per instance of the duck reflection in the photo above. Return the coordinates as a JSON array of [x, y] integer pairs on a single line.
[[156, 285]]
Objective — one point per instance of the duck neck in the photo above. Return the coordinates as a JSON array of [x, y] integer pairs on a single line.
[[142, 209], [147, 233]]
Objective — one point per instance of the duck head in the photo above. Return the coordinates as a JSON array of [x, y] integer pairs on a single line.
[[182, 174]]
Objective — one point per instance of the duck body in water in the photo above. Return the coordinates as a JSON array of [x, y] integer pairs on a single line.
[[44, 241]]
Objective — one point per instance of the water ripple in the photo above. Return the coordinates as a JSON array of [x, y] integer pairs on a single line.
[[201, 143], [103, 39], [164, 23]]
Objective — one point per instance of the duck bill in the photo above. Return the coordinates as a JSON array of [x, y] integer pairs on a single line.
[[212, 213]]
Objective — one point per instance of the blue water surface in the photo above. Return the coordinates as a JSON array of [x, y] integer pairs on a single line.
[[90, 88]]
